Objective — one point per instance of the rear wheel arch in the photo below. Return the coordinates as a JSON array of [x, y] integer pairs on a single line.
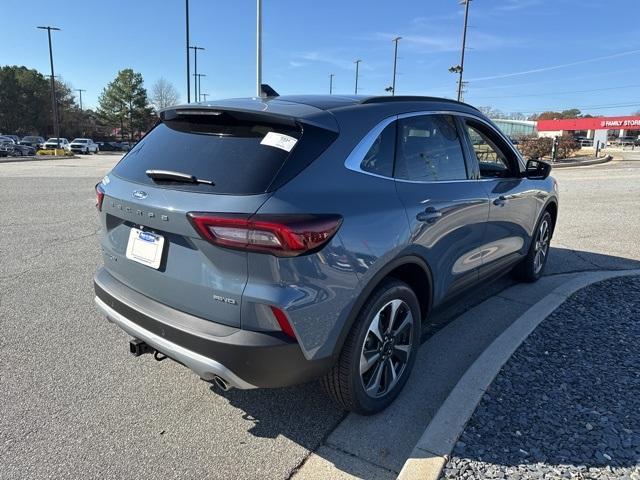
[[552, 208], [410, 269]]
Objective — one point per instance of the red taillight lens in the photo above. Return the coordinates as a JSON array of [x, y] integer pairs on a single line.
[[281, 235], [99, 196], [283, 321]]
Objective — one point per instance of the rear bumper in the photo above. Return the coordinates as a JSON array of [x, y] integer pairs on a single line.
[[244, 359]]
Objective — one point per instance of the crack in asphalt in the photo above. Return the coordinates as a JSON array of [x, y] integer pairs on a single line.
[[44, 251]]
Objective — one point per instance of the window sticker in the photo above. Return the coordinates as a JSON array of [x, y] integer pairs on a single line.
[[279, 140]]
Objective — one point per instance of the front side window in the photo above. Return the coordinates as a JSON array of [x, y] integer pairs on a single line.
[[491, 159], [429, 149], [379, 158]]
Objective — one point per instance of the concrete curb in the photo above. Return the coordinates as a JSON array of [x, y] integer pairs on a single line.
[[433, 450], [595, 161], [35, 158]]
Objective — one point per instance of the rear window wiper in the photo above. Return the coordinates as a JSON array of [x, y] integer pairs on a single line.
[[171, 176]]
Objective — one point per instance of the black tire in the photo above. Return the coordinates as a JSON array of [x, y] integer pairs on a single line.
[[344, 382], [529, 270]]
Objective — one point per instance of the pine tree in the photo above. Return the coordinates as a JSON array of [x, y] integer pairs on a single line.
[[124, 104]]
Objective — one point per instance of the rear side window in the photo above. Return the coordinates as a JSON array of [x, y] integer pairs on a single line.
[[379, 158], [240, 156], [429, 149]]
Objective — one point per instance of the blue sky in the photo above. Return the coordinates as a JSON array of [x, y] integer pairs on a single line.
[[524, 55]]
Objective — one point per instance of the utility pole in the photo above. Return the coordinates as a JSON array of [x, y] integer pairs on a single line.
[[357, 62], [464, 46], [205, 95], [258, 48], [331, 75], [186, 2], [54, 107], [395, 62], [195, 69], [80, 90], [198, 89]]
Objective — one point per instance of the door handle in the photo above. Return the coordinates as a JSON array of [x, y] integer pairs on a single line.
[[500, 201], [430, 215]]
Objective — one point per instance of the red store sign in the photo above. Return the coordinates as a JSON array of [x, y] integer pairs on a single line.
[[600, 123]]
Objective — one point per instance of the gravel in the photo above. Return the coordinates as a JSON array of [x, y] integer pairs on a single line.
[[567, 404]]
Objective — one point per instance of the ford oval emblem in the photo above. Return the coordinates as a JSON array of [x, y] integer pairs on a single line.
[[140, 194]]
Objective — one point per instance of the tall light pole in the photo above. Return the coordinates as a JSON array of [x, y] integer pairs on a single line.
[[395, 62], [464, 46], [195, 69], [186, 4], [357, 62], [80, 90], [258, 48], [205, 95], [54, 107], [331, 75]]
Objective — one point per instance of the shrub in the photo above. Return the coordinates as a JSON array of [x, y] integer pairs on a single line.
[[567, 145], [534, 147]]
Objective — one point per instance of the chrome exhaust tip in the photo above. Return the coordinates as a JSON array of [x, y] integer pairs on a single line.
[[221, 383]]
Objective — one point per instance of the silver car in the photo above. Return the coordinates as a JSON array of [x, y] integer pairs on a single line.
[[83, 145], [268, 242]]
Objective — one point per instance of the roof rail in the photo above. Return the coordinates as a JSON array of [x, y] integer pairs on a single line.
[[411, 98]]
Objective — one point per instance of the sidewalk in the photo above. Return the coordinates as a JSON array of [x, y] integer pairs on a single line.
[[567, 404]]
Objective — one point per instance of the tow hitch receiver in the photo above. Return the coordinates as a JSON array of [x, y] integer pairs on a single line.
[[137, 347]]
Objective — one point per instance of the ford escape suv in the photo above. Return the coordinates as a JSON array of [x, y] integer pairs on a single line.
[[265, 242]]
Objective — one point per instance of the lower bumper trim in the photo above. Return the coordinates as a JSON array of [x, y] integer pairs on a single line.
[[206, 368]]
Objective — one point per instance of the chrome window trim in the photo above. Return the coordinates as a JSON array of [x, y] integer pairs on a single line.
[[355, 158]]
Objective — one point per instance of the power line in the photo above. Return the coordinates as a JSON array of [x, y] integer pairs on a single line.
[[581, 107], [566, 92], [608, 74], [556, 67]]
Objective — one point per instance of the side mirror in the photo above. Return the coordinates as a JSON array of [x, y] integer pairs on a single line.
[[537, 170]]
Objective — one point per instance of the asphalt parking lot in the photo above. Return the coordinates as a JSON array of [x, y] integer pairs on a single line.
[[74, 403]]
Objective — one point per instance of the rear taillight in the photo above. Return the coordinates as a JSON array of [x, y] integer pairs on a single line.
[[281, 235], [99, 196]]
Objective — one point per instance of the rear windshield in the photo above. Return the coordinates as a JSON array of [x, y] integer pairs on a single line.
[[241, 157]]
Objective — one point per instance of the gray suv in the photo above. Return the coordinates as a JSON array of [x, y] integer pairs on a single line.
[[267, 242]]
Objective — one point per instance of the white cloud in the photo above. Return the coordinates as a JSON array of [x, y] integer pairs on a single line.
[[332, 58]]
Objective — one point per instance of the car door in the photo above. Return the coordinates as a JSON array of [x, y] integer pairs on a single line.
[[512, 198], [446, 208]]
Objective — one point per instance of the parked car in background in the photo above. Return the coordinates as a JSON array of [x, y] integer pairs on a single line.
[[125, 146], [83, 145], [6, 144], [584, 141], [255, 267], [627, 141], [53, 142], [33, 141], [109, 147], [15, 138], [9, 147]]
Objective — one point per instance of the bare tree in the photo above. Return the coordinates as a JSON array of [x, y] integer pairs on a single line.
[[163, 94]]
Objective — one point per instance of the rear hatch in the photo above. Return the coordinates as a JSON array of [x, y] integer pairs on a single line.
[[239, 157]]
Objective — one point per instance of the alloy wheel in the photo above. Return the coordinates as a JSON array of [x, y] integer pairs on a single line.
[[387, 348], [541, 245]]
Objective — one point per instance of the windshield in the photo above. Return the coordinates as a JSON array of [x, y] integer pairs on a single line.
[[80, 140], [31, 139]]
